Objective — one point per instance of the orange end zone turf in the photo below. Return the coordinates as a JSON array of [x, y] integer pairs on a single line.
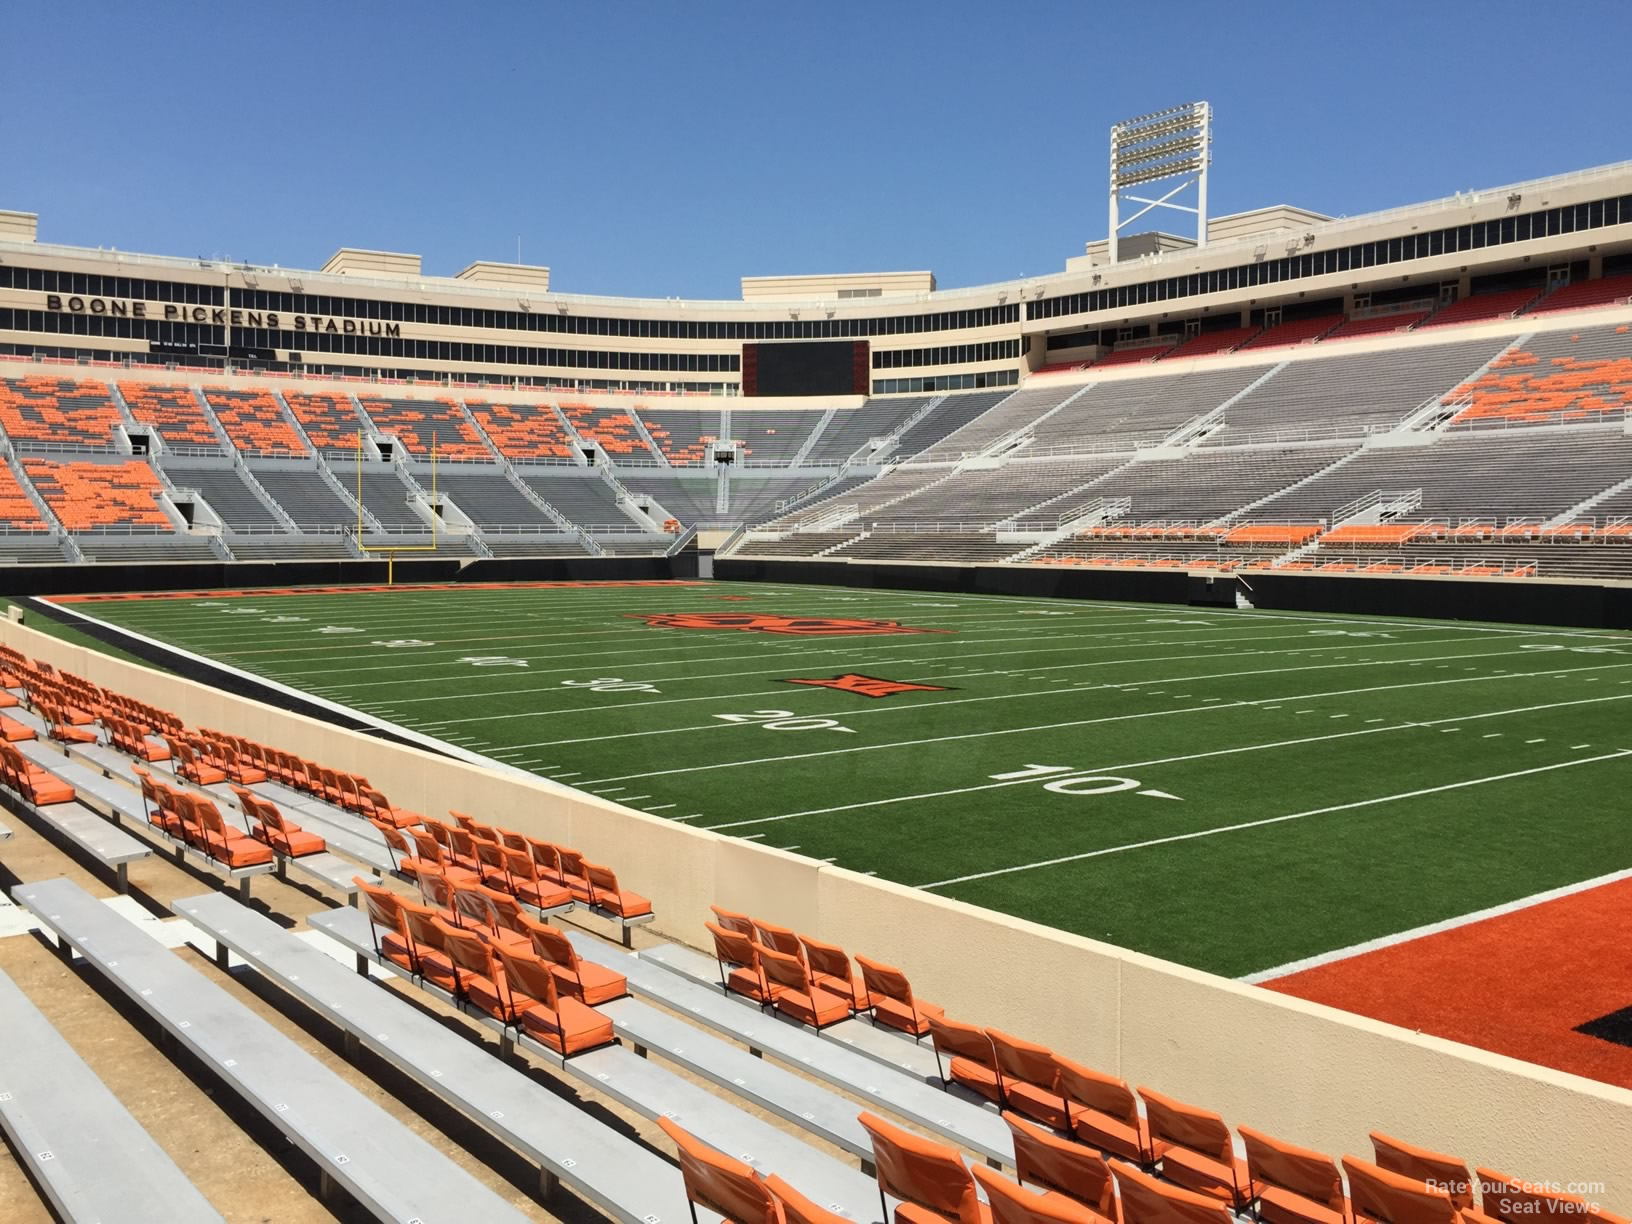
[[1521, 984]]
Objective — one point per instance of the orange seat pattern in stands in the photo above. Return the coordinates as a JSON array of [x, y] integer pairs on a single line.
[[254, 421], [89, 495], [1520, 387], [17, 509], [678, 453], [613, 428], [327, 417], [173, 411], [523, 431], [415, 423], [58, 410]]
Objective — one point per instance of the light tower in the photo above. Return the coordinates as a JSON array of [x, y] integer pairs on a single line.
[[1176, 143]]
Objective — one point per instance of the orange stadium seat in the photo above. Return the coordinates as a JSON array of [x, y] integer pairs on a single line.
[[1516, 1201], [173, 411], [578, 978], [1293, 1185], [740, 970], [830, 969], [964, 1055], [1012, 1205], [60, 411], [889, 996], [796, 1208], [417, 424], [689, 452], [1104, 1112], [566, 1024], [523, 431], [1448, 1173], [799, 997], [1195, 1149], [1377, 1196], [1029, 1076], [328, 419], [1145, 1200], [254, 421], [719, 1182], [930, 1179], [1044, 1159], [85, 496]]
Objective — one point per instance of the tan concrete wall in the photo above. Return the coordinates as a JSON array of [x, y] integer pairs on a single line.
[[1307, 1073]]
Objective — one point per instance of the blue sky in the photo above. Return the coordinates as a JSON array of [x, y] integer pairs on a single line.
[[667, 149]]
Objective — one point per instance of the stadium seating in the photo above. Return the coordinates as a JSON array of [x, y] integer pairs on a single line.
[[1043, 1158], [1556, 377], [683, 435], [425, 427], [952, 413], [225, 490], [85, 496], [1375, 325], [1296, 331], [529, 433], [17, 510], [613, 428], [61, 412], [929, 1179], [1135, 352], [254, 421], [1586, 295], [720, 1183], [328, 418], [1205, 344], [1116, 415], [1377, 1196], [772, 437], [1447, 1172], [1293, 1185], [852, 428], [488, 497], [175, 412], [1481, 308], [1009, 1204], [1144, 1200]]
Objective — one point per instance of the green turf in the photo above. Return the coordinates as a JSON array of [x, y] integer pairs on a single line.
[[1242, 717]]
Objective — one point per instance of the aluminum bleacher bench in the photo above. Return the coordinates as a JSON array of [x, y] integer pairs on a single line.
[[902, 1093], [5, 833], [79, 823], [599, 1165], [889, 1046], [106, 782], [118, 802], [387, 1168], [88, 1156], [613, 1070]]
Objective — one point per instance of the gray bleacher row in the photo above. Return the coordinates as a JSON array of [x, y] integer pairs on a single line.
[[1119, 413], [688, 498], [954, 412], [771, 436], [1010, 414], [988, 495], [1345, 395], [227, 493], [850, 428]]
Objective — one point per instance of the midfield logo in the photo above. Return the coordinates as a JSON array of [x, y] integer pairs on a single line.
[[870, 686], [770, 622]]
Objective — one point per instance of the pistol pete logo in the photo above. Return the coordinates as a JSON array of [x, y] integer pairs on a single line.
[[770, 622]]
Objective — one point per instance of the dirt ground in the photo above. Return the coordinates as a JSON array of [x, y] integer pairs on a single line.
[[238, 1161]]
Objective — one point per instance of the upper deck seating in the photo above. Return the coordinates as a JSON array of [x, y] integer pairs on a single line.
[[174, 412], [1203, 344], [1482, 307], [1557, 376], [530, 433], [1585, 295], [1295, 331], [1010, 416], [328, 419], [85, 496], [1376, 325], [254, 421], [59, 411], [682, 434], [424, 425], [613, 428]]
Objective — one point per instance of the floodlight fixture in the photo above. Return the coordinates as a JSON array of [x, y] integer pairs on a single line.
[[1160, 147]]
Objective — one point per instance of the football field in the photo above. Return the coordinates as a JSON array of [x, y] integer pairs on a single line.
[[1233, 790]]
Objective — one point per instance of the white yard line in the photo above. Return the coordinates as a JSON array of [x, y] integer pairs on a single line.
[[1433, 928], [1270, 820]]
